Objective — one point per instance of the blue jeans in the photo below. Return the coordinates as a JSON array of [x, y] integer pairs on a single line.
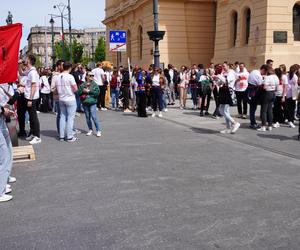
[[114, 95], [57, 110], [91, 115], [78, 102], [253, 108], [165, 99], [67, 117], [6, 156], [225, 111]]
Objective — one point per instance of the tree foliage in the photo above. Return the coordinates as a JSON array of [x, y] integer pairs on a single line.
[[77, 51], [100, 53]]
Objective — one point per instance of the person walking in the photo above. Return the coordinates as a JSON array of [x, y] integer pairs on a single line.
[[88, 92], [270, 85], [226, 81], [66, 87]]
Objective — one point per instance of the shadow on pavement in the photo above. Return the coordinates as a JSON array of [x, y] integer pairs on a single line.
[[277, 137]]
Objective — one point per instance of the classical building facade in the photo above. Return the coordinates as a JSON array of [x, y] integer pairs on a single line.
[[204, 31], [38, 45]]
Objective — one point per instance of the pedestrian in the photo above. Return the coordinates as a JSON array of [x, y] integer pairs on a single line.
[[45, 93], [279, 103], [254, 91], [291, 96], [141, 97], [212, 73], [114, 89], [126, 90], [270, 85], [183, 86], [241, 86], [66, 87], [206, 85], [226, 81], [88, 92], [194, 88], [158, 81], [172, 76], [99, 77], [32, 95]]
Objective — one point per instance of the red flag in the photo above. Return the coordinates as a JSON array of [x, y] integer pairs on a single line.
[[10, 36]]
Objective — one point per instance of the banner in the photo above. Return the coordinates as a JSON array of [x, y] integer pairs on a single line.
[[10, 36]]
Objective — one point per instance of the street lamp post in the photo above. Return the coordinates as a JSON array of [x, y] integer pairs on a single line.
[[52, 40], [156, 35], [70, 30]]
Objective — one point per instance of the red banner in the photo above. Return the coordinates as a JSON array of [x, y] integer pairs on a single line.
[[10, 36]]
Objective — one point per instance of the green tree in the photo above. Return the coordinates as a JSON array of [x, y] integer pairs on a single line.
[[38, 62], [77, 51], [100, 53]]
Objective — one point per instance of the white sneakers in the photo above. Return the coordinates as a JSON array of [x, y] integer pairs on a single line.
[[225, 131], [262, 129], [235, 128], [292, 125], [5, 197], [12, 179], [159, 115], [98, 134], [89, 133], [35, 140], [276, 125], [29, 138]]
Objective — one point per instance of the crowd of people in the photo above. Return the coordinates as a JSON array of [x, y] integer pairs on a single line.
[[69, 90]]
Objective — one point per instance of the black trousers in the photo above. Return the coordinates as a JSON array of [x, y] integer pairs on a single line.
[[216, 97], [290, 109], [45, 105], [206, 96], [21, 111], [157, 98], [101, 97], [267, 102], [33, 119], [242, 104], [125, 93], [141, 101], [278, 110]]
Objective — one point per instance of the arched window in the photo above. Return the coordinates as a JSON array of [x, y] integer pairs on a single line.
[[233, 29], [296, 22], [128, 44], [247, 25], [140, 41]]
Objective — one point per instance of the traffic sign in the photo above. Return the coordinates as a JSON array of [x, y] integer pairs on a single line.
[[117, 40]]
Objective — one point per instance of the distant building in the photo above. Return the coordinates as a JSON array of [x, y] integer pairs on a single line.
[[37, 42], [201, 31]]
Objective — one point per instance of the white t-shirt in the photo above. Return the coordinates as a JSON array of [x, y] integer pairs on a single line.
[[291, 87], [155, 80], [242, 81], [271, 83], [32, 77], [282, 84], [64, 84], [230, 75], [98, 74], [255, 78], [46, 88]]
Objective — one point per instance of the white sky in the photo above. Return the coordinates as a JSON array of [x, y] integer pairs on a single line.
[[88, 13]]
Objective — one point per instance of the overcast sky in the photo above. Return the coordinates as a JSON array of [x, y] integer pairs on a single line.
[[85, 14]]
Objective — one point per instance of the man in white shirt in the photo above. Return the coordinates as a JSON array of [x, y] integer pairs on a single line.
[[66, 87], [32, 94], [99, 78], [255, 80]]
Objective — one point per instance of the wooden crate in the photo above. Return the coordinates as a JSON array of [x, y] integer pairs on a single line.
[[23, 154]]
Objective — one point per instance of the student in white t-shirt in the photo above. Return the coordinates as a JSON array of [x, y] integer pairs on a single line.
[[45, 92], [66, 87], [241, 86], [32, 94], [99, 78]]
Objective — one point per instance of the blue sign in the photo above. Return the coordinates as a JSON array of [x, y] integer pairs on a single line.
[[117, 36]]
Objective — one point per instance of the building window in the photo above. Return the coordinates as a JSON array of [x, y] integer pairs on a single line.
[[129, 44], [233, 30], [247, 25], [140, 40], [296, 22]]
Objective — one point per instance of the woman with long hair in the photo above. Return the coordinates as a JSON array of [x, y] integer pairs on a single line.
[[183, 86], [194, 87], [291, 96], [157, 78]]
